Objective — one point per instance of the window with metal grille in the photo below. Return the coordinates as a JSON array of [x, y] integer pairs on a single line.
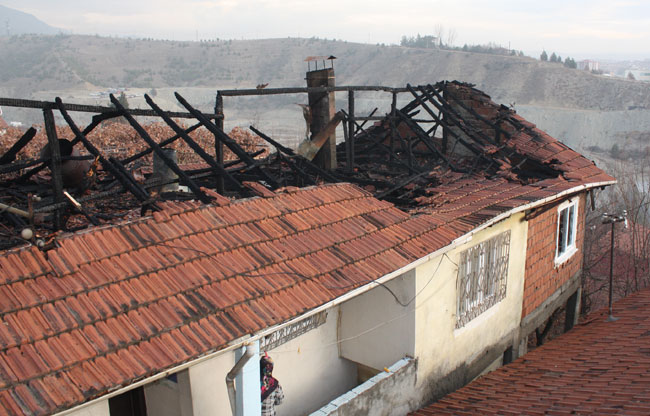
[[566, 231], [482, 276]]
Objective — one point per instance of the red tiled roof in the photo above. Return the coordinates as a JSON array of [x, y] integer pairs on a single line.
[[597, 368], [113, 305]]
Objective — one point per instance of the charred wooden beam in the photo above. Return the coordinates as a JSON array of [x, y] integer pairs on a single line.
[[141, 194], [359, 127], [218, 144], [15, 102], [455, 117], [161, 144], [170, 163], [498, 130], [125, 180], [230, 143], [217, 167], [426, 139], [55, 163], [350, 132], [400, 185], [443, 121], [298, 90], [279, 147], [328, 176], [302, 175], [10, 155], [22, 165]]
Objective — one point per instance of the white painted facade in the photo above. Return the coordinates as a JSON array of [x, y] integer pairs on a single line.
[[440, 347], [99, 408], [377, 331]]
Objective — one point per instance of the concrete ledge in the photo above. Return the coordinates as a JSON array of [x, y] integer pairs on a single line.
[[380, 395]]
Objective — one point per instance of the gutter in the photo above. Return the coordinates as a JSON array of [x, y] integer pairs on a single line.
[[243, 341]]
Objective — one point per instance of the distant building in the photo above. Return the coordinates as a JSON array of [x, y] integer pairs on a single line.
[[638, 74], [589, 65]]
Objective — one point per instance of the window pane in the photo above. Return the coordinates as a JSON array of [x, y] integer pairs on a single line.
[[571, 226], [561, 238]]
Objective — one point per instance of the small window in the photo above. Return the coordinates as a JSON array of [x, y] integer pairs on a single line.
[[566, 231], [482, 276]]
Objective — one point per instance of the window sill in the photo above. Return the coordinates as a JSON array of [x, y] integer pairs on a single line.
[[565, 256]]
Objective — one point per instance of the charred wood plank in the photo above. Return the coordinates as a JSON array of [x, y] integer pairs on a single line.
[[22, 165], [10, 155], [289, 152], [126, 180], [426, 140], [495, 126], [443, 121], [400, 185], [350, 132], [17, 102], [170, 163], [217, 167], [161, 144], [142, 195], [218, 144], [304, 176], [230, 143], [279, 147], [455, 117], [55, 163]]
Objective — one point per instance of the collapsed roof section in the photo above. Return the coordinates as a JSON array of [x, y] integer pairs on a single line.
[[452, 135], [450, 151]]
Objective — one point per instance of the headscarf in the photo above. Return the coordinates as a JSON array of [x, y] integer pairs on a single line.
[[268, 382]]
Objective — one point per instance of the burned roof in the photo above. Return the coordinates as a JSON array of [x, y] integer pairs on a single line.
[[599, 367], [254, 242], [450, 148]]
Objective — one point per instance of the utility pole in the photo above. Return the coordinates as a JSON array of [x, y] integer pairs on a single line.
[[612, 219]]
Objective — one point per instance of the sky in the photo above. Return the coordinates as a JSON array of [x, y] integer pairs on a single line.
[[599, 29]]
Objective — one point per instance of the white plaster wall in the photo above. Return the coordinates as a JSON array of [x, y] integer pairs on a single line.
[[167, 398], [440, 348], [376, 330], [99, 408], [310, 370], [208, 385]]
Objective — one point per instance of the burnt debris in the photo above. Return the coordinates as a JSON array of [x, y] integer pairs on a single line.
[[447, 131]]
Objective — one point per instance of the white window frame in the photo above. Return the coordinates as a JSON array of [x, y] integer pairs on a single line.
[[482, 277], [566, 230]]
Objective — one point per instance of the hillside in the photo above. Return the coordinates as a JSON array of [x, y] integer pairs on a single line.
[[39, 63], [576, 106], [15, 22]]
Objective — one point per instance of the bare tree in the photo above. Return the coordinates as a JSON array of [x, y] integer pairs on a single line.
[[438, 32], [451, 37], [632, 244]]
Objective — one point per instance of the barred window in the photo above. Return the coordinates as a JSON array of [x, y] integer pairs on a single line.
[[482, 276]]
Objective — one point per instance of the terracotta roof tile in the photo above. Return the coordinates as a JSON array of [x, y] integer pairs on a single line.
[[598, 367], [120, 303]]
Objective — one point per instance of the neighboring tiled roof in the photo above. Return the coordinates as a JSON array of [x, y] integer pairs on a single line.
[[113, 305], [597, 368]]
